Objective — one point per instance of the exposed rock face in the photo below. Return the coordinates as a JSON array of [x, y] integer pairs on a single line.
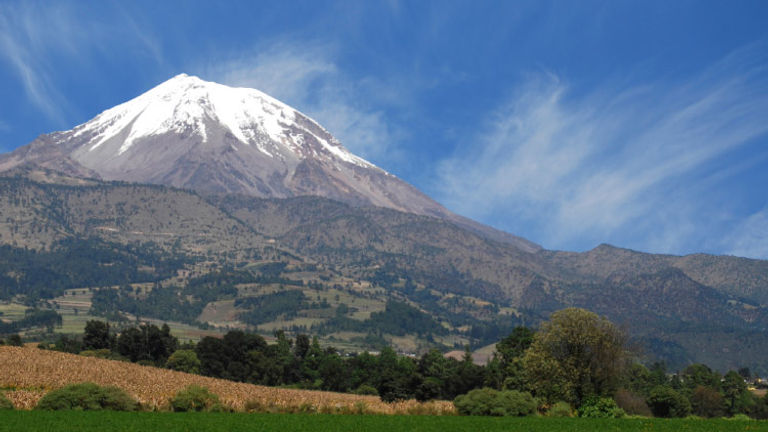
[[205, 136]]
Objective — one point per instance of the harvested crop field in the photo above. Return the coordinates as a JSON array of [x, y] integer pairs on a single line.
[[26, 374]]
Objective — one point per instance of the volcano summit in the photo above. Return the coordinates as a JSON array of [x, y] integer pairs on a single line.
[[200, 135]]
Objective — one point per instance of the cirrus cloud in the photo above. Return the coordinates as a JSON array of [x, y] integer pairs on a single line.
[[627, 165], [305, 75]]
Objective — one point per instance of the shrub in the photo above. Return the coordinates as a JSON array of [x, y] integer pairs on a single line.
[[490, 402], [518, 403], [184, 361], [366, 390], [14, 340], [254, 405], [89, 397], [5, 404], [195, 398], [600, 408], [666, 402], [478, 402], [560, 409], [360, 407], [632, 404]]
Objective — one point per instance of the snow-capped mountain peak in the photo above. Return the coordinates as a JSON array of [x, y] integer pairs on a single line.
[[187, 104], [195, 134]]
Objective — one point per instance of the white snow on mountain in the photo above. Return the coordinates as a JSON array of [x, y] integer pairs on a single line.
[[185, 102], [200, 135]]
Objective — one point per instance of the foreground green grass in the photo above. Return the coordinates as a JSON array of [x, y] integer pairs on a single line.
[[171, 422]]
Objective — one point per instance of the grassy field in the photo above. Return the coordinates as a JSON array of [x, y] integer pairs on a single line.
[[170, 422], [12, 311]]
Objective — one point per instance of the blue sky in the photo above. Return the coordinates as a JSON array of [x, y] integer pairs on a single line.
[[570, 123]]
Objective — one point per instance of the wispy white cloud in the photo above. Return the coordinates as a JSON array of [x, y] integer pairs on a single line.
[[22, 37], [306, 76], [36, 36], [750, 237], [619, 163]]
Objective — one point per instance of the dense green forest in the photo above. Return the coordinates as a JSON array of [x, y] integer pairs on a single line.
[[76, 263], [397, 318], [268, 307]]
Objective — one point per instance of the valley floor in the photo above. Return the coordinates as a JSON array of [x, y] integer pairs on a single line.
[[106, 421]]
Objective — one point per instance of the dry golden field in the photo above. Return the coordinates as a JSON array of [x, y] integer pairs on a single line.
[[27, 373]]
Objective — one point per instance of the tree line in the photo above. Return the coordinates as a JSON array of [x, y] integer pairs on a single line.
[[576, 359]]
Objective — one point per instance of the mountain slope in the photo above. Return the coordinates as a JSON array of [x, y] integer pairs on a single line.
[[735, 276], [474, 286], [40, 208], [200, 135]]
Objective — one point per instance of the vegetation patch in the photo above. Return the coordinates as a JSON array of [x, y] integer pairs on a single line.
[[74, 263], [88, 397], [5, 404], [489, 402], [195, 398], [269, 307]]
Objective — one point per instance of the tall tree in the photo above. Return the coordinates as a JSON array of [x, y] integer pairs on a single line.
[[735, 392], [510, 351], [97, 336], [576, 355]]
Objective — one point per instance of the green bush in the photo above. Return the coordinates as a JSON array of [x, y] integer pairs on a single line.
[[5, 404], [560, 409], [490, 402], [666, 402], [600, 408], [366, 390], [88, 397], [518, 403], [184, 361], [195, 398]]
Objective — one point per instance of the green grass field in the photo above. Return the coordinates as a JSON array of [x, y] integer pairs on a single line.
[[171, 422]]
